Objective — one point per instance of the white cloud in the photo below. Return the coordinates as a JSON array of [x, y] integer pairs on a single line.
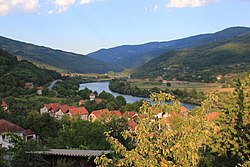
[[7, 6], [187, 3], [61, 5], [86, 1]]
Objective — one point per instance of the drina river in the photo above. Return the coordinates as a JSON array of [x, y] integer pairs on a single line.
[[104, 86]]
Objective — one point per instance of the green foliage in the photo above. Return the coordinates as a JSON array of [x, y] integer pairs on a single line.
[[192, 139], [14, 74], [80, 134], [229, 56], [233, 140]]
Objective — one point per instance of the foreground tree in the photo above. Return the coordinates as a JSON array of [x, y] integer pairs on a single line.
[[188, 139], [159, 144]]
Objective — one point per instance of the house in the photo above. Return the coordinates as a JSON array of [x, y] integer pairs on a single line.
[[219, 77], [58, 110], [79, 111], [81, 102], [130, 115], [6, 126], [164, 81], [51, 108], [131, 125], [116, 113], [4, 105], [92, 96], [39, 90], [29, 85], [98, 114], [212, 116]]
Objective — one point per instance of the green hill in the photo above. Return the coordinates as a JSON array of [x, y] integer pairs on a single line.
[[14, 74], [64, 60], [201, 63], [135, 55]]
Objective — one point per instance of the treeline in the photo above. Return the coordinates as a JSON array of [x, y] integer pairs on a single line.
[[124, 87], [14, 74]]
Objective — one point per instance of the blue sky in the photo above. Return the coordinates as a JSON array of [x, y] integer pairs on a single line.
[[83, 26]]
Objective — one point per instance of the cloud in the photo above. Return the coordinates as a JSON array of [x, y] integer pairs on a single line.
[[86, 1], [188, 3], [6, 6], [61, 5]]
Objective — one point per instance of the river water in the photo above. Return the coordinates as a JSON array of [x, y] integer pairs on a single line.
[[104, 86]]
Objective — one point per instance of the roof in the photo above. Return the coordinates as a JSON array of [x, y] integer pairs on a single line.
[[183, 109], [64, 108], [130, 114], [78, 111], [29, 85], [99, 113], [73, 153], [53, 106], [116, 113], [132, 124], [6, 126], [4, 104], [212, 116], [28, 132]]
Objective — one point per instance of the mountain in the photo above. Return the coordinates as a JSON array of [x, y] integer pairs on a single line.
[[135, 55], [14, 74], [201, 63], [65, 60]]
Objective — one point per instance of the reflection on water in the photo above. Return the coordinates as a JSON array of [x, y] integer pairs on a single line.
[[104, 86]]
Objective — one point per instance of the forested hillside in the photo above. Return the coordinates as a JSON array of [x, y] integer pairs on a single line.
[[64, 60], [202, 63], [14, 74], [135, 55]]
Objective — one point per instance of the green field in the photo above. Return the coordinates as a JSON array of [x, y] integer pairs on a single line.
[[200, 87]]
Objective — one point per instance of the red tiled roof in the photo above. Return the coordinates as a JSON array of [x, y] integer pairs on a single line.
[[78, 111], [4, 104], [99, 113], [6, 126], [183, 109], [212, 116], [28, 132], [130, 114], [53, 106], [64, 108], [116, 113], [132, 124]]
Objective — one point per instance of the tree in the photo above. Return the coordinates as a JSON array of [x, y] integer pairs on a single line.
[[232, 144], [157, 143]]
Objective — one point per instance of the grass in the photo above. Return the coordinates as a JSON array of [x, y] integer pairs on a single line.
[[200, 87]]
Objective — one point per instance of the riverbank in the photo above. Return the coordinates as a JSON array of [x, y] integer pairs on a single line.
[[104, 86]]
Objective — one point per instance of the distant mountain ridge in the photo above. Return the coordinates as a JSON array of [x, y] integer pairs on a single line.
[[65, 60], [136, 55], [201, 63]]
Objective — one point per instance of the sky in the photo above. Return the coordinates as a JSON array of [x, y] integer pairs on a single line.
[[84, 26]]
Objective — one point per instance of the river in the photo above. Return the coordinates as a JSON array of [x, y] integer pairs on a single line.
[[104, 86]]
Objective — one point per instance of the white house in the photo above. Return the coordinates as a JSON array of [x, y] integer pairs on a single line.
[[6, 126]]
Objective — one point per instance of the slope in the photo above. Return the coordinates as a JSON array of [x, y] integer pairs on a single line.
[[135, 55], [65, 60], [201, 63], [14, 74]]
